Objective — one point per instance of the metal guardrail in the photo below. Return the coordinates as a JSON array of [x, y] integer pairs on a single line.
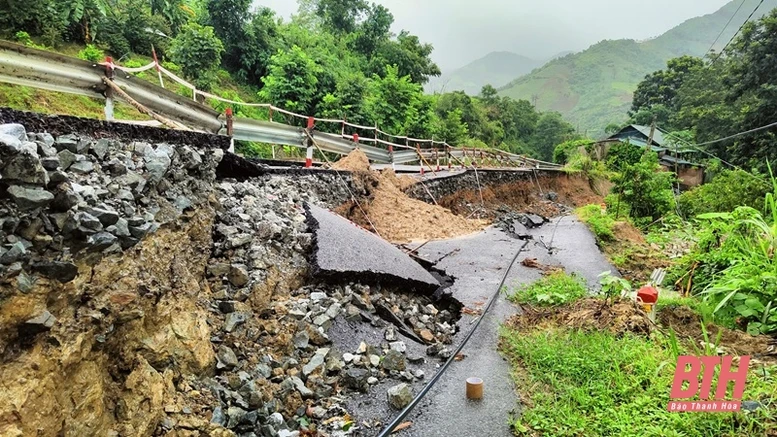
[[25, 66]]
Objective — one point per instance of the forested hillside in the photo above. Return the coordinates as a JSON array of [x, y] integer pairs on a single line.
[[334, 59], [496, 69], [594, 87], [704, 100]]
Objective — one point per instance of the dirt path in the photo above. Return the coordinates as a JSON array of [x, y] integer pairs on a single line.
[[478, 266]]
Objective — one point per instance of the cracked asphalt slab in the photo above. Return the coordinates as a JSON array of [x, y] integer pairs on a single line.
[[478, 263], [345, 251]]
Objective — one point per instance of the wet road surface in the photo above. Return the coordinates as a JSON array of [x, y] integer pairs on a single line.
[[478, 263]]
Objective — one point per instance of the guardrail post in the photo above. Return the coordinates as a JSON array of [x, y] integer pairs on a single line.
[[437, 157], [109, 73], [448, 156], [230, 129], [309, 151], [391, 156]]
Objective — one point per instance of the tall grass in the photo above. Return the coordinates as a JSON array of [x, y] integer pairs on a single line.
[[748, 288]]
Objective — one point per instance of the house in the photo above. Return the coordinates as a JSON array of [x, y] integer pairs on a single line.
[[671, 156], [639, 135]]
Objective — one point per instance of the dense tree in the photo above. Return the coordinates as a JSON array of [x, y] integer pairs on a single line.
[[411, 57], [37, 17], [131, 27], [198, 51], [176, 12], [390, 98], [260, 43], [84, 15], [753, 82], [551, 130], [229, 18], [292, 80], [660, 87], [374, 31], [341, 16]]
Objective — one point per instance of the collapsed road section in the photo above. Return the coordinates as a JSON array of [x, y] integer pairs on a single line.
[[159, 292]]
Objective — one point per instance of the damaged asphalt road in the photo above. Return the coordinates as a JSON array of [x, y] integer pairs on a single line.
[[477, 262], [478, 266]]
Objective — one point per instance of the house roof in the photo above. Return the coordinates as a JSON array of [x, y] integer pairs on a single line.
[[658, 136]]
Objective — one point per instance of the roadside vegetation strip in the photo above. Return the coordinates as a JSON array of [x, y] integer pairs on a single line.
[[555, 289], [592, 368]]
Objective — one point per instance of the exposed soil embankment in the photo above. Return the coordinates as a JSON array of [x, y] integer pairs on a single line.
[[537, 193], [104, 247]]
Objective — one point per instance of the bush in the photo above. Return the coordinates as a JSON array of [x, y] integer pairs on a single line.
[[23, 37], [747, 289], [557, 288], [198, 51], [566, 150], [92, 54], [727, 191], [622, 155], [646, 188]]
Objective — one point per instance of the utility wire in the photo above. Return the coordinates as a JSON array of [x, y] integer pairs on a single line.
[[388, 430], [698, 149], [726, 26], [739, 134], [737, 32]]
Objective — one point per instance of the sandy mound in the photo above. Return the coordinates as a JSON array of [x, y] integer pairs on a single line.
[[402, 219], [394, 215], [356, 161], [401, 182]]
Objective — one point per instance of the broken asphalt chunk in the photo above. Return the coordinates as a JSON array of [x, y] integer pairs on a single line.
[[345, 251]]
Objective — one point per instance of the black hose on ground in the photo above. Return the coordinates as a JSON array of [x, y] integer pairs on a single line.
[[402, 415]]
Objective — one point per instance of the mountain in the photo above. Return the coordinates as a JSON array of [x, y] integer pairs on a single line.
[[594, 87], [496, 68]]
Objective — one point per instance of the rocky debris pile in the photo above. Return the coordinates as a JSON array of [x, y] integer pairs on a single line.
[[278, 370], [512, 224], [285, 373]]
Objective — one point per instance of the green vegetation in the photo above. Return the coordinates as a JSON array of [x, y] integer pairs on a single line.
[[198, 51], [334, 59], [591, 383], [727, 191], [590, 369], [557, 288], [91, 53], [646, 189], [593, 88], [31, 99], [601, 223]]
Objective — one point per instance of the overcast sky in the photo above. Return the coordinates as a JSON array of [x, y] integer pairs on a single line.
[[464, 30]]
